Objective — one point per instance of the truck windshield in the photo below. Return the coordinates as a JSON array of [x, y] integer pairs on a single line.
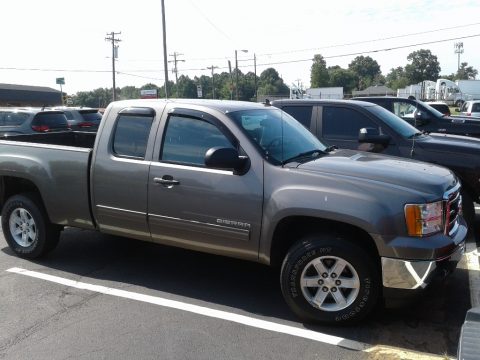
[[276, 134], [397, 124]]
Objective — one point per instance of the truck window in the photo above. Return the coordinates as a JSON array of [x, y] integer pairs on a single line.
[[343, 123], [187, 140], [303, 114], [404, 109], [131, 135]]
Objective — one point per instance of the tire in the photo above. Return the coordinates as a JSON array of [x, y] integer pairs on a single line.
[[26, 227], [332, 298], [468, 210]]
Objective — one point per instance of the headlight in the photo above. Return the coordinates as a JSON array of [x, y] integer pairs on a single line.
[[424, 219]]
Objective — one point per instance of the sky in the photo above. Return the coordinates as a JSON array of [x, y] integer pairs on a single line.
[[44, 40]]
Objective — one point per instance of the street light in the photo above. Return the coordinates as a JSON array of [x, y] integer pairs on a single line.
[[236, 71]]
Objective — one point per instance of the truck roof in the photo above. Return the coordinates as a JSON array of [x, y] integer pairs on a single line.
[[322, 101], [224, 106]]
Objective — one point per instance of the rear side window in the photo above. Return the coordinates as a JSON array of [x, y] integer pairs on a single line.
[[188, 139], [13, 118], [303, 114], [343, 123], [131, 135], [476, 107], [50, 120]]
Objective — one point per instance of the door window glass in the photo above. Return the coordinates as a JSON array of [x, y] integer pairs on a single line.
[[404, 109], [131, 135], [343, 123], [303, 114], [187, 140], [14, 118]]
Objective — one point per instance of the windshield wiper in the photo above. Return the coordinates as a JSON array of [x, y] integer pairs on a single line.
[[310, 155]]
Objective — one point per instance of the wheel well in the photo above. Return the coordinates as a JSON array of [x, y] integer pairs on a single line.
[[291, 229], [10, 186]]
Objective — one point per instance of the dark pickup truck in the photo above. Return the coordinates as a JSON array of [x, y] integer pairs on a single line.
[[365, 126], [242, 180], [424, 117]]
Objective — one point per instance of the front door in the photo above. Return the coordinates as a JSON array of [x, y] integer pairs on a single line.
[[197, 207]]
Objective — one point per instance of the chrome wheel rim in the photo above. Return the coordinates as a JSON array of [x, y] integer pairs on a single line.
[[330, 283], [22, 227]]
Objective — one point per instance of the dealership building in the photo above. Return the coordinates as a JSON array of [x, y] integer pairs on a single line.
[[24, 95]]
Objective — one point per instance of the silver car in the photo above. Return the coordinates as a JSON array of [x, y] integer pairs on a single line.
[[470, 108]]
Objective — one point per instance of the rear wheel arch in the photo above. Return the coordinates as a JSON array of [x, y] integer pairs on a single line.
[[10, 186]]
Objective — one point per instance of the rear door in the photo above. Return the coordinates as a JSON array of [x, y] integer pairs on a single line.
[[120, 174], [197, 207]]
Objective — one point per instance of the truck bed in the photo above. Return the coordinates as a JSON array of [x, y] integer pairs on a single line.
[[59, 166]]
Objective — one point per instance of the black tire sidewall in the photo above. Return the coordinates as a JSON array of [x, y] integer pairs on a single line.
[[39, 245], [305, 251]]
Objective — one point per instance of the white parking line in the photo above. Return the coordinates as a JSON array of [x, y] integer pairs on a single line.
[[224, 315], [473, 266]]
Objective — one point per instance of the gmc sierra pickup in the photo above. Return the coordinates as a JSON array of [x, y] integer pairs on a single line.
[[242, 180]]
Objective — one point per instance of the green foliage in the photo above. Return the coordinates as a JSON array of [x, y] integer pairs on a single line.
[[466, 72], [342, 77], [396, 78], [319, 76], [270, 83], [366, 70], [424, 66]]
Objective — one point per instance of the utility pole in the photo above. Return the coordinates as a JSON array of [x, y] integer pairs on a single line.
[[175, 69], [213, 80], [458, 50], [165, 59], [111, 37], [255, 72], [236, 72]]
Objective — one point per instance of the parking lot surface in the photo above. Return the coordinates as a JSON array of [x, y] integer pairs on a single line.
[[99, 296]]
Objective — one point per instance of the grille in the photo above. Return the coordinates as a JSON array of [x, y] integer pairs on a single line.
[[453, 208]]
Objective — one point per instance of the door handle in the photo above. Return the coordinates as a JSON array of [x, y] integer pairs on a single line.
[[167, 180]]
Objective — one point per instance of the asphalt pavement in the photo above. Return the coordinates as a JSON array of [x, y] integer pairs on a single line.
[[103, 297]]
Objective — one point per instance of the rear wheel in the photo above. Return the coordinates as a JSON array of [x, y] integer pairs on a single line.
[[26, 226], [328, 279]]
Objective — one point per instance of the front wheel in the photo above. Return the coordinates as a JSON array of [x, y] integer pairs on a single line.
[[328, 279], [26, 227]]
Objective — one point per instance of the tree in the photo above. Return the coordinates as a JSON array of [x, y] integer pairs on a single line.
[[396, 78], [342, 77], [186, 88], [270, 83], [129, 92], [366, 69], [466, 72], [424, 66], [319, 72]]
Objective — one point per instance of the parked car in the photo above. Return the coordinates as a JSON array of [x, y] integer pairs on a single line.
[[424, 117], [440, 106], [359, 125], [31, 120], [243, 180], [81, 118], [470, 108]]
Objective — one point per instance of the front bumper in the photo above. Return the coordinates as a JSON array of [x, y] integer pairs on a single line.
[[412, 275]]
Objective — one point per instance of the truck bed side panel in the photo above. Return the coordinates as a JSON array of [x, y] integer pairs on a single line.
[[61, 174]]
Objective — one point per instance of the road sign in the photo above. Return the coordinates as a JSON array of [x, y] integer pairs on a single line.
[[148, 94], [60, 81], [199, 91]]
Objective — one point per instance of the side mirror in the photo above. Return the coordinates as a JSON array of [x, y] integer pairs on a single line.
[[226, 158], [372, 135], [420, 117]]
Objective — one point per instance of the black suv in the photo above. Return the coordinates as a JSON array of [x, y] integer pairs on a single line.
[[365, 126], [424, 117]]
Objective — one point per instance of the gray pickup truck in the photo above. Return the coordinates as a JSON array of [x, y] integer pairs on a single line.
[[245, 180]]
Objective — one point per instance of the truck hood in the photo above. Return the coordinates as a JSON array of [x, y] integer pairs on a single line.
[[449, 143], [414, 175]]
